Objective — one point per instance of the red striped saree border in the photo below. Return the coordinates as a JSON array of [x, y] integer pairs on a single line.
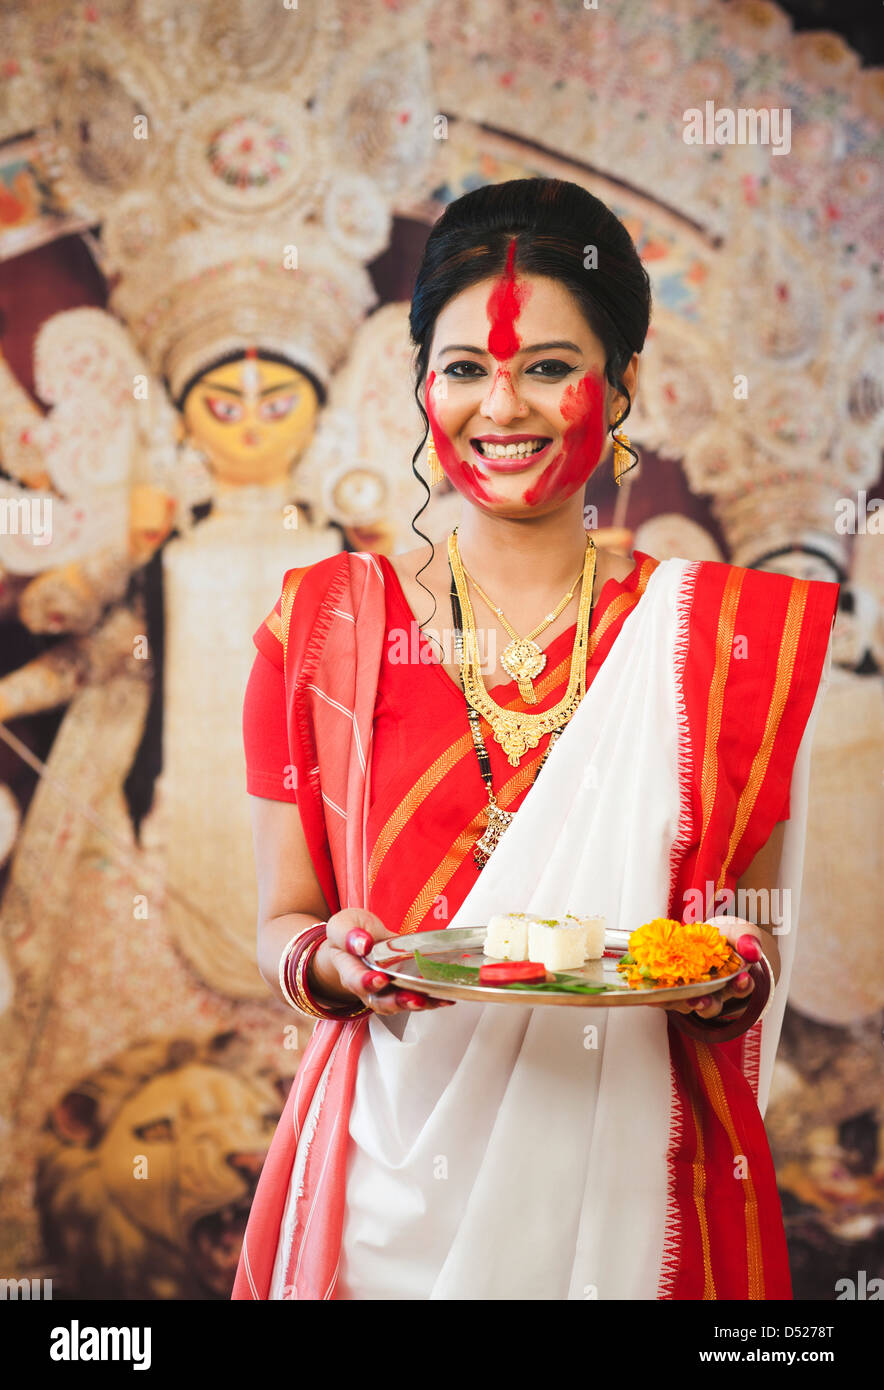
[[746, 722], [330, 683], [756, 652]]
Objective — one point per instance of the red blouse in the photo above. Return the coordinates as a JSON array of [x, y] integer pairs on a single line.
[[399, 719]]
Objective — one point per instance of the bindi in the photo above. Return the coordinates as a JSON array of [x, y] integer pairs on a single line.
[[503, 308]]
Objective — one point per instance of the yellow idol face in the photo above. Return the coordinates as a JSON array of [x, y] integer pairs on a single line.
[[253, 419]]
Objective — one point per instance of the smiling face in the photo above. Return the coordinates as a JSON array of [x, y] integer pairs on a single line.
[[253, 418], [516, 397]]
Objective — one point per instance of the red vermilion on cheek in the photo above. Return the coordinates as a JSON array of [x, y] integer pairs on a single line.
[[503, 308], [458, 469], [582, 405]]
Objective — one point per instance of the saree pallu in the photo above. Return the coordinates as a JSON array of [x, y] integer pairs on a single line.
[[671, 1119]]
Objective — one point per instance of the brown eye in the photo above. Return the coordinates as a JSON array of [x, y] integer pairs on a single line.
[[559, 369], [459, 376], [155, 1131]]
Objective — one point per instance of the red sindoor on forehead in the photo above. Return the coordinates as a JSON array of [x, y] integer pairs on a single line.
[[504, 306]]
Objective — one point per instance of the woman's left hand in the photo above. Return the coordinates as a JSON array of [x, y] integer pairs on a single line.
[[748, 941]]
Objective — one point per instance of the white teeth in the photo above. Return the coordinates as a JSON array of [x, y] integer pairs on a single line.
[[503, 451]]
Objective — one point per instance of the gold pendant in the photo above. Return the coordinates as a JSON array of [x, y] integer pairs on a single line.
[[498, 821], [515, 742], [524, 661]]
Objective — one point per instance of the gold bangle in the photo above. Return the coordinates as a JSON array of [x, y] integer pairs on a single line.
[[336, 1012], [301, 999], [283, 964]]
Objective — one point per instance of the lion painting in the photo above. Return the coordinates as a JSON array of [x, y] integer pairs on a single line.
[[148, 1168]]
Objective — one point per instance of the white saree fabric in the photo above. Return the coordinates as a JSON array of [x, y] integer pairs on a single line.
[[499, 1152]]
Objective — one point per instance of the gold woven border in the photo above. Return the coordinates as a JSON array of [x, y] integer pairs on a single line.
[[699, 1167], [724, 647], [717, 1095], [455, 856], [289, 590], [788, 651], [274, 626]]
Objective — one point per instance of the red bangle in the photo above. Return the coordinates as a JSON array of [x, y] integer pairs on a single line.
[[289, 960], [335, 1011], [295, 971], [711, 1030]]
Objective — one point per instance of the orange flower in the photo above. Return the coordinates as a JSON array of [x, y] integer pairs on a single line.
[[665, 953]]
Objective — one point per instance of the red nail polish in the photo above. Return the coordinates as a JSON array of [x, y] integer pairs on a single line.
[[405, 999], [372, 981], [742, 980], [358, 942], [748, 947]]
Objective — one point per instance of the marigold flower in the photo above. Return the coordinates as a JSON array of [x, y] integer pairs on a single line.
[[664, 953]]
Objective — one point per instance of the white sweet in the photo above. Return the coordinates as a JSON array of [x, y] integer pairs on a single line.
[[507, 936], [594, 940], [556, 945]]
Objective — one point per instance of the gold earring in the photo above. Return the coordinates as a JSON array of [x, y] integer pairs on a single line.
[[623, 459], [436, 474]]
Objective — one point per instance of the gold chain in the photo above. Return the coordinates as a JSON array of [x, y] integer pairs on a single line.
[[522, 658], [550, 617], [517, 731]]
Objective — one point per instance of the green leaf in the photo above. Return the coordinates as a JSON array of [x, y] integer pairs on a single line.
[[446, 970], [453, 973], [559, 986]]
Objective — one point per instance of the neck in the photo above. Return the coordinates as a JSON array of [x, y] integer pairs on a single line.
[[533, 556]]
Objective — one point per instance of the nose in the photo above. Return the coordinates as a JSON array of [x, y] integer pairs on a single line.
[[502, 402], [247, 1164]]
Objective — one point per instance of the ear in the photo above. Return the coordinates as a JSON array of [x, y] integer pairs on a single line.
[[75, 1118], [630, 378], [229, 1049], [631, 375], [617, 401]]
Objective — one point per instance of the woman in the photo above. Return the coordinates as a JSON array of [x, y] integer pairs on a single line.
[[495, 1152]]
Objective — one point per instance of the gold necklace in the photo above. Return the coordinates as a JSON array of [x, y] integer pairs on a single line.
[[522, 658], [517, 731], [497, 818]]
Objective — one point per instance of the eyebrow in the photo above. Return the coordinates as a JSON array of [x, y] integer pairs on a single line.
[[536, 347], [234, 390]]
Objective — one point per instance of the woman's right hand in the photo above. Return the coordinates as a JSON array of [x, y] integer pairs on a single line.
[[336, 969]]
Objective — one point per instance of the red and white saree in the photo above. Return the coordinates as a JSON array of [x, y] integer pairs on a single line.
[[494, 1152]]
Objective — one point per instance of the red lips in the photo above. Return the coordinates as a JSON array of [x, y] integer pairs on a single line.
[[510, 465], [507, 438]]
